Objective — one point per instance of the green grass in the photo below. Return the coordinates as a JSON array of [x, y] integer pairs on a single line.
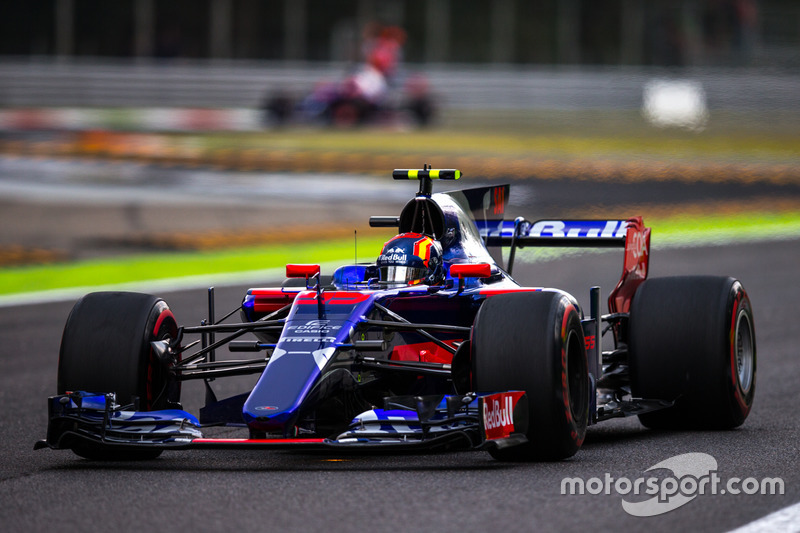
[[667, 232], [500, 145], [710, 229]]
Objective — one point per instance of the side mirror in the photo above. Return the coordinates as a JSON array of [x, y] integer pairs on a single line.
[[477, 270], [302, 271], [463, 271], [305, 271]]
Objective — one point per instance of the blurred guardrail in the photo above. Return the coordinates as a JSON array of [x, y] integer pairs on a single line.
[[48, 82]]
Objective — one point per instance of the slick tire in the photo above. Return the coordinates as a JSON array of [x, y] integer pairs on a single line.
[[533, 341], [105, 347], [692, 340]]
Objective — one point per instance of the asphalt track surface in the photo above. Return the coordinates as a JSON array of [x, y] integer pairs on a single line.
[[468, 491]]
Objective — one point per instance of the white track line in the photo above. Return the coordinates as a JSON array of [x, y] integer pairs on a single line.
[[787, 520]]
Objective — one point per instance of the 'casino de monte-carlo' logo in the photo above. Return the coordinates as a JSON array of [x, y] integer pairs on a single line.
[[673, 483]]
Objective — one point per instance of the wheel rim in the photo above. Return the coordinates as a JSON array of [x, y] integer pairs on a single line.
[[744, 351], [578, 387]]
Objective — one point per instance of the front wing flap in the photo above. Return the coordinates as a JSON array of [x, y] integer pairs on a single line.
[[405, 424]]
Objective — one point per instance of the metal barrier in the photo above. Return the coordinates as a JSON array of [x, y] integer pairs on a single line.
[[49, 82]]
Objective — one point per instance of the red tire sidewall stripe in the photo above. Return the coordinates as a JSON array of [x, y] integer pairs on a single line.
[[737, 390], [166, 313], [564, 380]]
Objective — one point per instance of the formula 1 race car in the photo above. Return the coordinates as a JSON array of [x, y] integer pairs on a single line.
[[377, 92], [432, 347], [355, 101]]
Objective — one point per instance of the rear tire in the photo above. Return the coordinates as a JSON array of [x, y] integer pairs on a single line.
[[106, 348], [692, 340], [533, 341]]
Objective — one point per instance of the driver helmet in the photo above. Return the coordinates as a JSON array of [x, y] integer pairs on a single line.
[[411, 259]]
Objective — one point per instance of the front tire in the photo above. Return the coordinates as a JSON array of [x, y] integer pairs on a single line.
[[692, 340], [533, 341], [106, 348]]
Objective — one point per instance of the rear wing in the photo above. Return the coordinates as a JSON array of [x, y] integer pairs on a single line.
[[575, 233], [630, 234]]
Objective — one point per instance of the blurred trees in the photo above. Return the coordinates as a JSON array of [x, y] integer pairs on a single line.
[[586, 32]]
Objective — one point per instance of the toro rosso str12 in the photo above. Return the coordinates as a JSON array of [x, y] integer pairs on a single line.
[[432, 347]]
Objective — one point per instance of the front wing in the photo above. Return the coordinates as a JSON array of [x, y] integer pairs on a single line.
[[405, 424]]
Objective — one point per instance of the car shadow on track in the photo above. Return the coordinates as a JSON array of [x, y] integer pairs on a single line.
[[293, 462], [602, 441]]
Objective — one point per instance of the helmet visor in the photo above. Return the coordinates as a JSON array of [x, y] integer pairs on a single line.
[[402, 274]]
